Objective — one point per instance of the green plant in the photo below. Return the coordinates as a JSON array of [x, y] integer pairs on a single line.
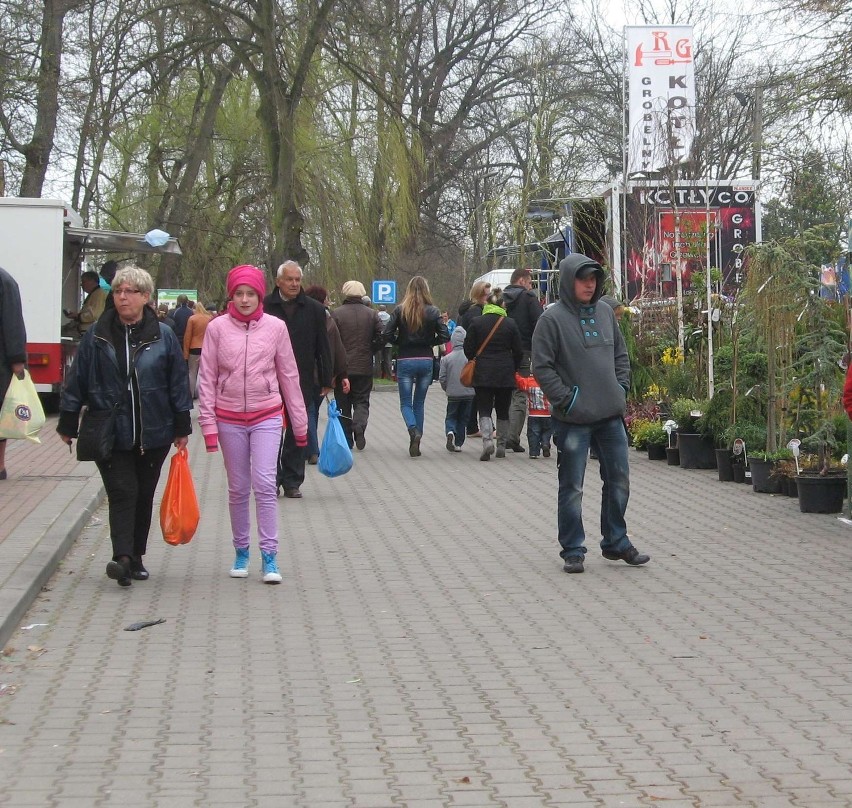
[[777, 286], [753, 434], [656, 435], [646, 432], [819, 380], [687, 412], [780, 455]]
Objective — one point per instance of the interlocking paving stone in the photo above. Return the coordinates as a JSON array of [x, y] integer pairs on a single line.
[[425, 648]]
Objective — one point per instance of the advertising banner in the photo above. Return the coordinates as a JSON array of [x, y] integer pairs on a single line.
[[661, 96], [677, 230]]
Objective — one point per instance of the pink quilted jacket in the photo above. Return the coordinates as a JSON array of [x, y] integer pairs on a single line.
[[246, 368]]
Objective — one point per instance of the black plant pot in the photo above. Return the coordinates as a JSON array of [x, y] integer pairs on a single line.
[[725, 465], [821, 494], [738, 472], [792, 487], [672, 455], [656, 452], [763, 481], [696, 451]]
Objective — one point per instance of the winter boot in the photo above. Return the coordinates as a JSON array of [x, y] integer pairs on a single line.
[[486, 427], [240, 568], [271, 575], [502, 437], [414, 441]]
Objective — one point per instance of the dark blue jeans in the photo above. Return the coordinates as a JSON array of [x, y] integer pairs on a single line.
[[455, 421], [539, 433], [413, 377], [572, 447]]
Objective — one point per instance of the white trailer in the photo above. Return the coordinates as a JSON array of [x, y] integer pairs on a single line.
[[43, 246]]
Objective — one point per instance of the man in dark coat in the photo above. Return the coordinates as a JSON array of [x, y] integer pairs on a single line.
[[13, 343], [181, 316], [523, 307], [305, 320]]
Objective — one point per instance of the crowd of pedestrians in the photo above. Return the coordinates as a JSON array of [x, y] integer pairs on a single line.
[[262, 367]]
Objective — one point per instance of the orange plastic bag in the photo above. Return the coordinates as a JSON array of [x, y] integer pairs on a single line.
[[179, 512]]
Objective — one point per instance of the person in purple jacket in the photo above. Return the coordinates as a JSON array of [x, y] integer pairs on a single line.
[[247, 372]]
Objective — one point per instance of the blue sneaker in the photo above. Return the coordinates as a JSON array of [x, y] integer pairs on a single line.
[[271, 575], [240, 568]]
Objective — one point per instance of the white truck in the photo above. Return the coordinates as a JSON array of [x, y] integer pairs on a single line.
[[43, 246]]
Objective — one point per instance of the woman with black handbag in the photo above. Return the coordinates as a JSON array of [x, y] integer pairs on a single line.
[[130, 374]]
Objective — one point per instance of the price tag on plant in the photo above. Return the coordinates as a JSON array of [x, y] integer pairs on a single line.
[[739, 447], [793, 446]]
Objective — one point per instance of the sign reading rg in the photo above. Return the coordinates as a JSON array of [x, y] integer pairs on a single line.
[[384, 291]]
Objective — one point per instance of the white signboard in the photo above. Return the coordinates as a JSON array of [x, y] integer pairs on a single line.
[[661, 96]]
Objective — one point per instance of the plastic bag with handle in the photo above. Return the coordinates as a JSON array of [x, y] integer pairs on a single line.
[[179, 513]]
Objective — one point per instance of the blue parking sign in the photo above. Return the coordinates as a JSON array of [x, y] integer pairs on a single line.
[[384, 291]]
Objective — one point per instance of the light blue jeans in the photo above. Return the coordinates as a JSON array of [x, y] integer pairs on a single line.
[[413, 377], [572, 447], [251, 457]]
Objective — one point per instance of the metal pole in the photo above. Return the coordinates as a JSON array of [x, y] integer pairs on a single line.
[[711, 384]]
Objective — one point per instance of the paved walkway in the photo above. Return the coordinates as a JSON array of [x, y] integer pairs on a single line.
[[426, 650]]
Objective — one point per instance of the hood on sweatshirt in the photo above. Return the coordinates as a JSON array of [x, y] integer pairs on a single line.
[[569, 267], [457, 339]]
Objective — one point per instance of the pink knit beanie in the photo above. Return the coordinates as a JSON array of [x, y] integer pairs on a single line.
[[249, 275]]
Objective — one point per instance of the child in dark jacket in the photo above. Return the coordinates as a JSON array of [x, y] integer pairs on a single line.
[[459, 397], [539, 429]]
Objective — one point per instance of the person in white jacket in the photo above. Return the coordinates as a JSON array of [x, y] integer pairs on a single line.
[[247, 372]]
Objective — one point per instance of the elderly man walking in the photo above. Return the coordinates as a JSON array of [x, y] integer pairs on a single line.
[[361, 331], [580, 361], [305, 319]]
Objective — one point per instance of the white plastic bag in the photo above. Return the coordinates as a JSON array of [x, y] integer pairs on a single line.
[[22, 415]]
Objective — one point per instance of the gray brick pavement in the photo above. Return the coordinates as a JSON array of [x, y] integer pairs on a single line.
[[425, 649]]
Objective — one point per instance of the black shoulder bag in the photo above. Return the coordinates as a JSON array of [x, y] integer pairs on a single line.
[[96, 435]]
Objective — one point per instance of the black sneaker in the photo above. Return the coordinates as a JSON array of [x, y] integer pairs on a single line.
[[573, 564], [546, 451], [451, 442], [515, 446], [631, 555]]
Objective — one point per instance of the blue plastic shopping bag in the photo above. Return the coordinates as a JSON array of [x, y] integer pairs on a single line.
[[335, 456]]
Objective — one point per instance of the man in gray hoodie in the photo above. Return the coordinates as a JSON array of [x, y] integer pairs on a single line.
[[581, 363]]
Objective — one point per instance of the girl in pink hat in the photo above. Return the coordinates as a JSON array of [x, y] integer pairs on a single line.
[[247, 372]]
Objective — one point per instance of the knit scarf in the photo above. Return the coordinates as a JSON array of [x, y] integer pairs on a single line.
[[245, 318]]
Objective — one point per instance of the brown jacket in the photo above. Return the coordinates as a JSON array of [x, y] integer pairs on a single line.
[[360, 328], [194, 334]]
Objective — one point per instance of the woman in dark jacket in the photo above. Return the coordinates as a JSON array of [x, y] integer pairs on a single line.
[[131, 362], [494, 376], [415, 327], [468, 311]]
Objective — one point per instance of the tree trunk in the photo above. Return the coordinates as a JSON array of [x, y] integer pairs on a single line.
[[37, 151]]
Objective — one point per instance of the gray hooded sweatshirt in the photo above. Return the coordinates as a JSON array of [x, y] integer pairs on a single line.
[[578, 352], [451, 368]]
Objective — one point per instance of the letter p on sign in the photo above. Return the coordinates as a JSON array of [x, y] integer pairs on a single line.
[[384, 291]]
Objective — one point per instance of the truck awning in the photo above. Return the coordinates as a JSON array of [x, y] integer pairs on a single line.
[[115, 241]]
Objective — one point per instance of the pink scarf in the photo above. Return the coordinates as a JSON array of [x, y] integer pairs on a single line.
[[245, 318]]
